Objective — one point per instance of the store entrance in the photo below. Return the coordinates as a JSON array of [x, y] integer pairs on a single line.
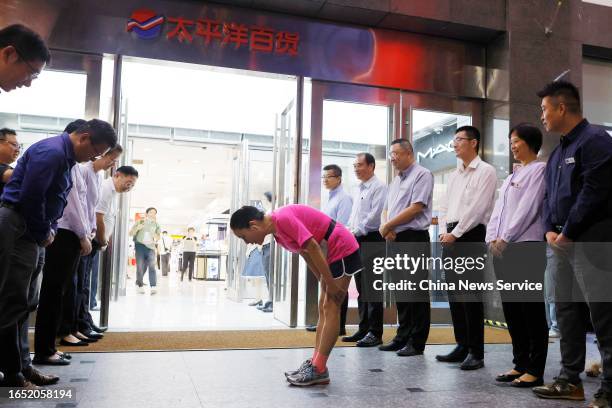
[[202, 140]]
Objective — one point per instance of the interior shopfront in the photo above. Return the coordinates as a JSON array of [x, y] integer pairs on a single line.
[[338, 90]]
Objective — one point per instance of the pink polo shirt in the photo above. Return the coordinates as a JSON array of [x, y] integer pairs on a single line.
[[295, 224]]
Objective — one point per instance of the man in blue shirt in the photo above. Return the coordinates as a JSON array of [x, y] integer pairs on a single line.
[[23, 55], [338, 207], [32, 202], [406, 220], [578, 218], [368, 203]]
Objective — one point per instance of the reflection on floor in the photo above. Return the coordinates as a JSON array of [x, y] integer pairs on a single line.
[[195, 305], [254, 378]]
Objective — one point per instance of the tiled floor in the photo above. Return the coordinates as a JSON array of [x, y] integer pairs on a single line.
[[360, 378]]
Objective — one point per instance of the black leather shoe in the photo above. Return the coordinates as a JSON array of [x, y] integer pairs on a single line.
[[37, 378], [87, 339], [354, 337], [370, 340], [527, 384], [456, 356], [507, 377], [268, 309], [393, 345], [98, 329], [472, 363], [80, 343], [48, 361], [311, 328], [408, 351], [94, 335]]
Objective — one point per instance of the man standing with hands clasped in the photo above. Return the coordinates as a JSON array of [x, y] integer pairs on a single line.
[[406, 219], [469, 203], [577, 221]]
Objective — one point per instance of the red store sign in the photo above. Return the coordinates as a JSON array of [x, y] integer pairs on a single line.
[[146, 24]]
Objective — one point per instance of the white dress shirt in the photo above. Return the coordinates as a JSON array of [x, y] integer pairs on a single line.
[[470, 195], [75, 216]]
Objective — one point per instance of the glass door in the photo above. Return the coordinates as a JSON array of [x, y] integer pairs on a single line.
[[240, 196], [347, 120], [431, 122], [284, 263]]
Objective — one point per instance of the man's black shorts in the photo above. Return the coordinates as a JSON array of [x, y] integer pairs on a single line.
[[349, 265]]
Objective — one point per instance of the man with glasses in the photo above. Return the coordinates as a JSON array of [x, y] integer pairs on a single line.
[[30, 206], [469, 203], [406, 220], [93, 176], [9, 151], [23, 55], [338, 207]]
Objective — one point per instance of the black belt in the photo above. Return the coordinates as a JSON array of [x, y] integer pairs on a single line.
[[330, 229], [9, 205]]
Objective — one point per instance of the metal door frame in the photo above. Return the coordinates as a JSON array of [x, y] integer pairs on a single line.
[[322, 91]]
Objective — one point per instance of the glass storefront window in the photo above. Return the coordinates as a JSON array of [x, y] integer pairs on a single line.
[[597, 92]]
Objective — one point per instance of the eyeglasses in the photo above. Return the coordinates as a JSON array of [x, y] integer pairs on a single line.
[[16, 146], [328, 177], [98, 154], [393, 154], [34, 73], [459, 139]]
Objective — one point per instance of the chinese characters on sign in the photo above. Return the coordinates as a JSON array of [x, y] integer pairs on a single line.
[[256, 38]]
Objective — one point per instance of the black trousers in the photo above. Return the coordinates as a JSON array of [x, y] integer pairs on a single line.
[[582, 295], [526, 320], [370, 313], [61, 262], [165, 263], [414, 318], [24, 323], [84, 320], [468, 317], [188, 262], [18, 256]]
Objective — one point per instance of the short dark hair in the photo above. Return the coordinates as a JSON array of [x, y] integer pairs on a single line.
[[100, 132], [529, 134], [368, 158], [74, 125], [151, 208], [241, 218], [472, 132], [116, 149], [164, 232], [128, 171], [28, 44], [190, 229], [335, 168], [404, 143], [4, 132], [268, 195], [566, 90]]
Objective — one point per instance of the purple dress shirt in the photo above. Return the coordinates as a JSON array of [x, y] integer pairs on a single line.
[[517, 216]]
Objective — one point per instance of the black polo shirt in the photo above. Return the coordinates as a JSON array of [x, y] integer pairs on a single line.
[[579, 181]]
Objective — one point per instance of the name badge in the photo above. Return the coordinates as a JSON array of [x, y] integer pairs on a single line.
[[570, 160]]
